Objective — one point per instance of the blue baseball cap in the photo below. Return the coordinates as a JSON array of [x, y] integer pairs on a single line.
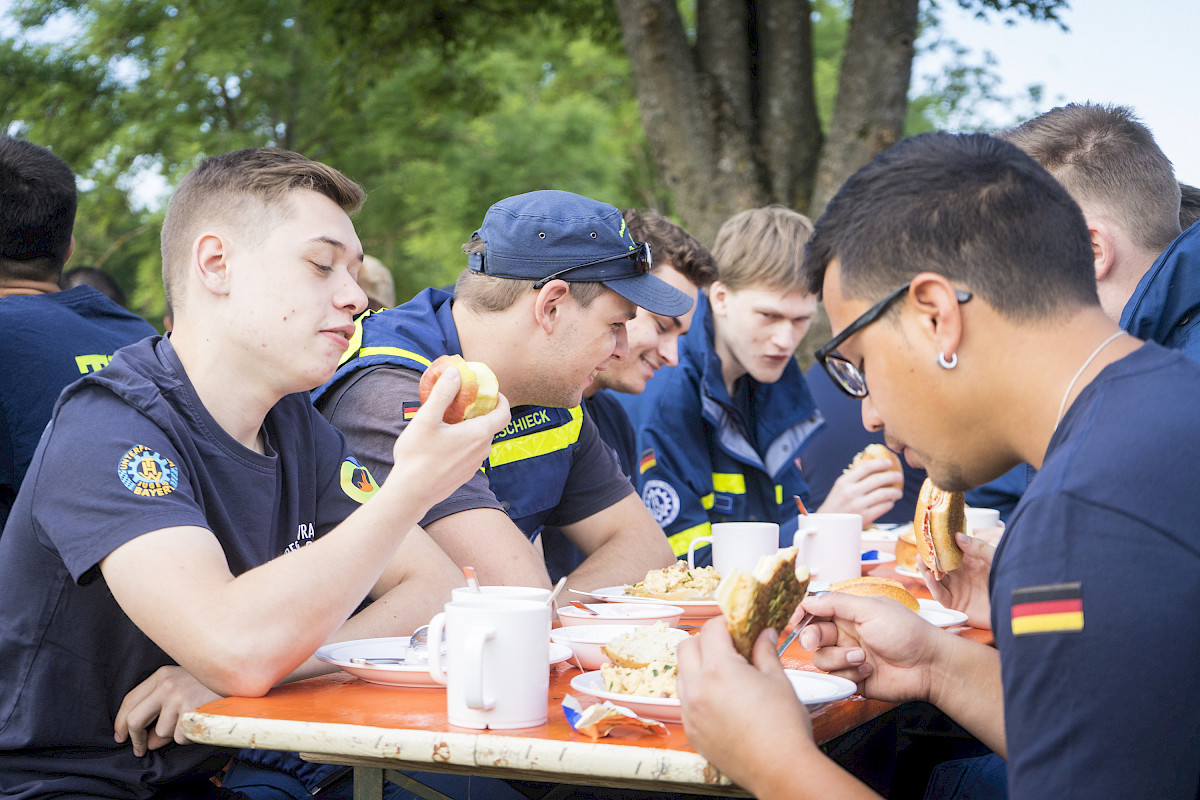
[[544, 235]]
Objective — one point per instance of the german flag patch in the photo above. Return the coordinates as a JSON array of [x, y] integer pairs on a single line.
[[410, 410], [1047, 609], [647, 461]]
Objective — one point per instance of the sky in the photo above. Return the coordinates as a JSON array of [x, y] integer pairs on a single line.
[[1142, 55]]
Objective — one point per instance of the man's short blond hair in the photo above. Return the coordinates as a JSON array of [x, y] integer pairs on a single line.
[[762, 247], [1110, 164], [246, 191]]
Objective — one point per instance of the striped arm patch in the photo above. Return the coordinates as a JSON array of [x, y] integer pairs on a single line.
[[1057, 608]]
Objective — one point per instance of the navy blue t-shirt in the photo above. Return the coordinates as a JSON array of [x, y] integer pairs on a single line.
[[131, 450], [612, 423], [49, 341], [1096, 589]]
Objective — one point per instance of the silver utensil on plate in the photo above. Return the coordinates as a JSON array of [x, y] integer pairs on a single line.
[[801, 625]]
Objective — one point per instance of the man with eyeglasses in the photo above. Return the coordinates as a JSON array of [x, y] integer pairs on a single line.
[[958, 275]]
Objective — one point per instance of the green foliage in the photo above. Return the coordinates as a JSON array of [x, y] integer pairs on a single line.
[[438, 107], [466, 109]]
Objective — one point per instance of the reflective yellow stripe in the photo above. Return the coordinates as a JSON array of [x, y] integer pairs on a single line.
[[778, 495], [680, 541], [707, 501], [355, 340], [393, 351], [538, 444], [729, 482]]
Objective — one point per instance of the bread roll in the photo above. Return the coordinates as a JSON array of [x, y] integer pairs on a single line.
[[940, 515], [871, 586], [877, 451], [906, 549], [645, 645], [766, 599]]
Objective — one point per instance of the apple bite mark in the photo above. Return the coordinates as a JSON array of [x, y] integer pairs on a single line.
[[478, 393]]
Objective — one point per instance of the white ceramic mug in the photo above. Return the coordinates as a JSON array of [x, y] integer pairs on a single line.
[[496, 667], [534, 593], [979, 518], [737, 545], [831, 546]]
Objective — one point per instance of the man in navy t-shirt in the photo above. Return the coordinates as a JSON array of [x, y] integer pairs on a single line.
[[190, 526], [51, 338], [958, 277]]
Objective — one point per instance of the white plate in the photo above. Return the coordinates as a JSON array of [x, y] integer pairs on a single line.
[[692, 609], [938, 614], [341, 653], [906, 572], [813, 689], [880, 558]]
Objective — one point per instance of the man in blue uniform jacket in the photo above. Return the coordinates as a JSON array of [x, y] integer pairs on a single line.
[[721, 437]]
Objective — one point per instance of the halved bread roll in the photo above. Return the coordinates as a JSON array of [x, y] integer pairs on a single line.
[[751, 603], [870, 586], [645, 645]]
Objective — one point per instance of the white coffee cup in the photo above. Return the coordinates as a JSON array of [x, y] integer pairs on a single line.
[[496, 667], [534, 593], [831, 546], [737, 545], [978, 518]]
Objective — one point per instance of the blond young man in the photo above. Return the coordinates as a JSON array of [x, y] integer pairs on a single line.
[[721, 439], [190, 526]]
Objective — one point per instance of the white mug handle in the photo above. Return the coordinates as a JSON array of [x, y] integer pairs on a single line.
[[692, 545], [473, 685], [801, 540], [436, 625]]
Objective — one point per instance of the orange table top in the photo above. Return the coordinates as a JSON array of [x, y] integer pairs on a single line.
[[343, 719]]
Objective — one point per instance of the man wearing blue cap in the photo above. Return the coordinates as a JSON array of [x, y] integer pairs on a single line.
[[551, 280]]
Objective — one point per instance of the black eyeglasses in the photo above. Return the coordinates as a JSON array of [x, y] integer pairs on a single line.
[[848, 377], [640, 256]]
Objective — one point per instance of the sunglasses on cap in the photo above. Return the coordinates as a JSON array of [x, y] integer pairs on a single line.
[[640, 256]]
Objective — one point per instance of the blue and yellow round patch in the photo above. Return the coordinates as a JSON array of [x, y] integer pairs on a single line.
[[146, 473]]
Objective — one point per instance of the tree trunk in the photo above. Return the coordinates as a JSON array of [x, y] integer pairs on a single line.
[[872, 97], [695, 107], [789, 129]]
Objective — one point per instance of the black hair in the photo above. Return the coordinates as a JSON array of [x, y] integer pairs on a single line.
[[967, 206], [37, 211]]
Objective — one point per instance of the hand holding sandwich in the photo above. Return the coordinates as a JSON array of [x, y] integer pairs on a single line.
[[966, 588], [745, 718], [869, 486]]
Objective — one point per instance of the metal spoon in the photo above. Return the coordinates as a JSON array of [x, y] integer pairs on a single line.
[[558, 587], [418, 643]]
